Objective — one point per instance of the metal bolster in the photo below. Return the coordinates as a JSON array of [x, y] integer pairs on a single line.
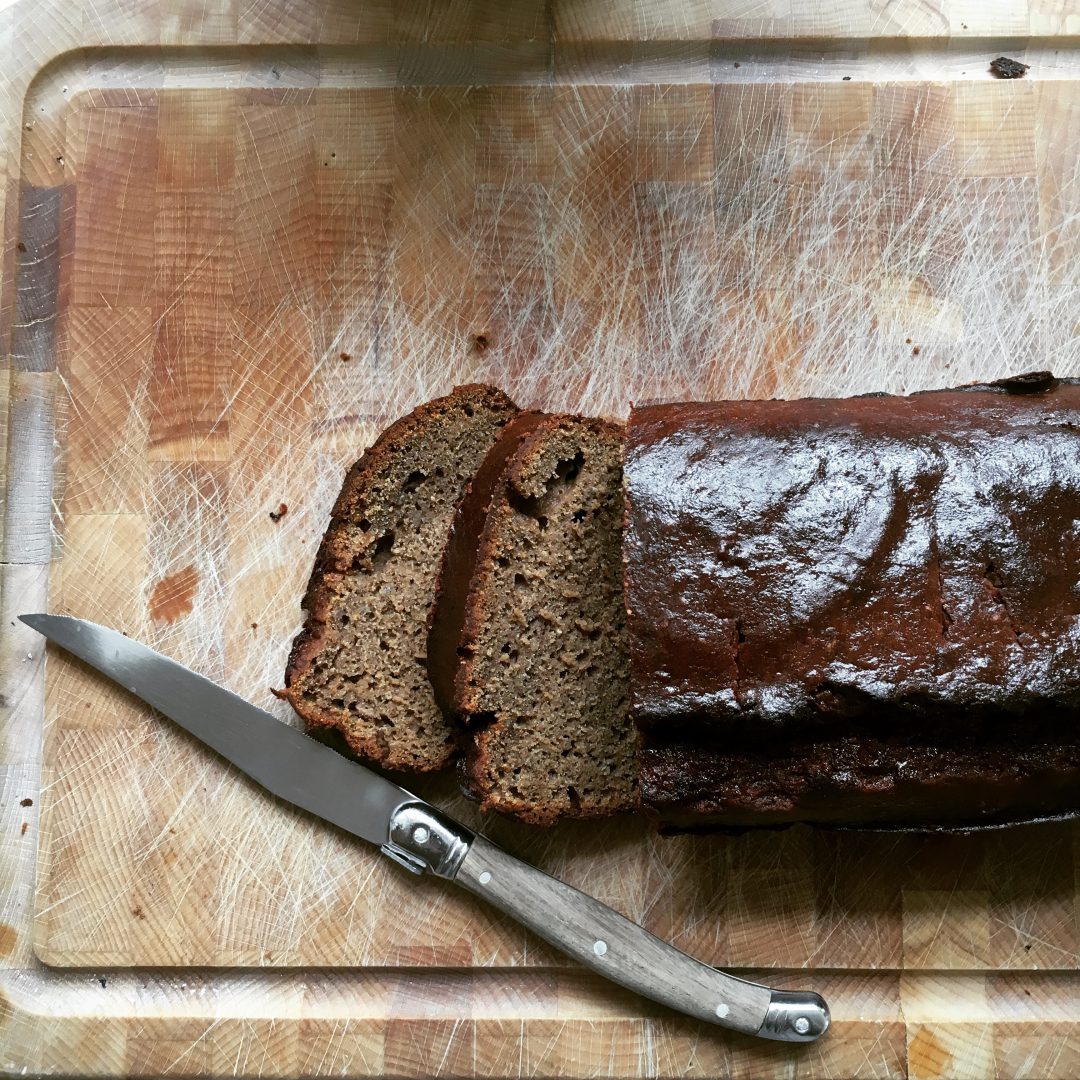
[[795, 1016], [423, 840]]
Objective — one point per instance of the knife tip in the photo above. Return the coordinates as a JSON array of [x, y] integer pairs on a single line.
[[34, 619]]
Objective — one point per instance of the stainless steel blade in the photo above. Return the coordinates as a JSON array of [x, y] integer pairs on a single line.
[[282, 759]]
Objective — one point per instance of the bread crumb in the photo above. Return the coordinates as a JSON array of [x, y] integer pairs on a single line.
[[281, 695], [27, 802], [254, 626], [277, 515], [480, 342], [916, 350], [1005, 68], [345, 356], [22, 831]]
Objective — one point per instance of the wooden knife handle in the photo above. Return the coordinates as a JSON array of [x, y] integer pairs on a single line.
[[601, 939], [425, 840]]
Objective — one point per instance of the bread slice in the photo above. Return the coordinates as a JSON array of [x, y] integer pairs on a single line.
[[446, 620], [359, 663], [543, 674]]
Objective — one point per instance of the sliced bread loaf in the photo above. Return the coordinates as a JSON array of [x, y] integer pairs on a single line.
[[359, 663], [543, 675]]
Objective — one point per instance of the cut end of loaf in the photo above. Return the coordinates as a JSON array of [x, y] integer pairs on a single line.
[[544, 676], [359, 664]]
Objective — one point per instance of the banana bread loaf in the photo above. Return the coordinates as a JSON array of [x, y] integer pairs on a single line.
[[860, 610]]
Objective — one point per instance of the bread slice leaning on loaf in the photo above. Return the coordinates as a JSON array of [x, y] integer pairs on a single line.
[[359, 663], [542, 676]]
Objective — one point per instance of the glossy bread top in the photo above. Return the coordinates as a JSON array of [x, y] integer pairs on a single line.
[[901, 560]]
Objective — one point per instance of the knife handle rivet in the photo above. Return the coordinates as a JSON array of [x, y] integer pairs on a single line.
[[599, 947], [802, 1025], [421, 833], [484, 878]]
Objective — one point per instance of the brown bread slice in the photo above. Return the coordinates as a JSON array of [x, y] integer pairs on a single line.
[[446, 620], [359, 664], [544, 672]]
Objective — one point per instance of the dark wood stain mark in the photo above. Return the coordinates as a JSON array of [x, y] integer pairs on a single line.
[[174, 595], [138, 913]]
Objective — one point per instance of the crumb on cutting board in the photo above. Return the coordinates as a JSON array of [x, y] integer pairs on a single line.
[[1005, 68], [279, 513]]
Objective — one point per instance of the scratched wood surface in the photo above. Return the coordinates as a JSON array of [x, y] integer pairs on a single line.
[[226, 271]]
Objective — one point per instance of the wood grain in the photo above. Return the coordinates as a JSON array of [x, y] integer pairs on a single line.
[[238, 263]]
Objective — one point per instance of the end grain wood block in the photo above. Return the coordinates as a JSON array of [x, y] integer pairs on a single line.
[[200, 152], [512, 305], [673, 132], [750, 134], [103, 570], [515, 141], [194, 241], [188, 391], [355, 135], [107, 364], [270, 381], [276, 258], [81, 828], [995, 128], [1057, 127], [114, 219], [829, 137]]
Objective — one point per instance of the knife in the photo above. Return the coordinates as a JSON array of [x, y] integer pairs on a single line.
[[424, 840]]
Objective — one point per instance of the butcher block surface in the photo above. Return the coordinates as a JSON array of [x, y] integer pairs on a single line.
[[240, 240]]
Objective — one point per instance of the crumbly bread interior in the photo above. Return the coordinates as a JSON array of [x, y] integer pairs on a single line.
[[545, 675], [359, 665]]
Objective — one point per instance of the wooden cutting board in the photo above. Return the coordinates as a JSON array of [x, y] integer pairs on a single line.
[[233, 268]]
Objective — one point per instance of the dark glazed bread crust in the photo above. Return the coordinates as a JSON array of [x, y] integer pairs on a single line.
[[543, 677], [390, 519], [858, 610]]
